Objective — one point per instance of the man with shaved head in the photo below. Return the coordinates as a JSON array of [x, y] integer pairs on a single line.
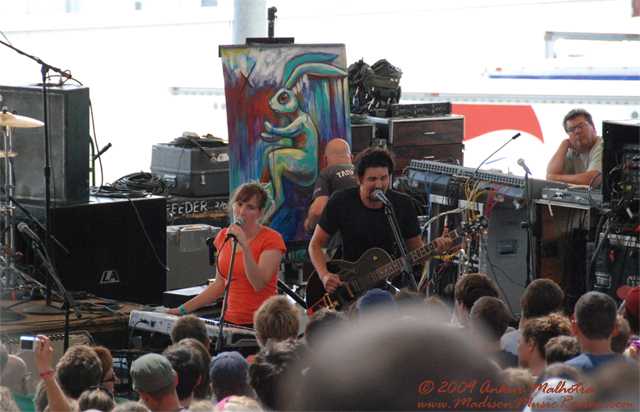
[[337, 174], [16, 379]]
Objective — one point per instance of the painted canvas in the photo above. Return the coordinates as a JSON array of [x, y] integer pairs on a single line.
[[284, 103]]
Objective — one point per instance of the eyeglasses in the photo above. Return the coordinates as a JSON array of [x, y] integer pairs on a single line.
[[27, 376], [111, 378], [101, 389], [581, 126]]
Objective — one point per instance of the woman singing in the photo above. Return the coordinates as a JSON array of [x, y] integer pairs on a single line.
[[256, 263]]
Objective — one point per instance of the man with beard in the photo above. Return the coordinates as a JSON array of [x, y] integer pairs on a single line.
[[360, 217], [579, 158]]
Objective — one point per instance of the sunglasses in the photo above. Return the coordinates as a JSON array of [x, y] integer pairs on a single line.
[[99, 388], [111, 378]]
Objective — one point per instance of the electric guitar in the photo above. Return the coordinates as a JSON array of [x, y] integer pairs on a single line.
[[372, 267]]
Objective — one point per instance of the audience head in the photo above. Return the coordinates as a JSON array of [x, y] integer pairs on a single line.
[[374, 302], [276, 319], [542, 297], [4, 356], [96, 397], [78, 369], [437, 309], [620, 342], [398, 359], [40, 399], [490, 316], [7, 404], [203, 406], [190, 326], [130, 407], [229, 374], [16, 375], [631, 298], [240, 403], [469, 289], [560, 370], [203, 389], [519, 380], [322, 322], [538, 331], [187, 363], [274, 373], [153, 378], [109, 377], [595, 316], [410, 303], [561, 348]]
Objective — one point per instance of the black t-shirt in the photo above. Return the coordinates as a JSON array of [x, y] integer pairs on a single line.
[[332, 178], [363, 228]]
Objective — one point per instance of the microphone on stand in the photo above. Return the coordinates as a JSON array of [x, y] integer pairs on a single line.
[[238, 221], [380, 195], [491, 155], [524, 166], [26, 230]]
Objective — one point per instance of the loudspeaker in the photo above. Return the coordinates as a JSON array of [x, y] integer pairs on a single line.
[[69, 140], [118, 247]]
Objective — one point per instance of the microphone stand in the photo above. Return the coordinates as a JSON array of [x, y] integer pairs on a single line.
[[226, 293], [68, 303], [528, 224], [395, 227], [48, 308]]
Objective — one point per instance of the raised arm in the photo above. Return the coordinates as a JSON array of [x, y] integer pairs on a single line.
[[556, 164]]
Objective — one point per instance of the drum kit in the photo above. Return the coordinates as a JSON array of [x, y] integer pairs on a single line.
[[11, 276]]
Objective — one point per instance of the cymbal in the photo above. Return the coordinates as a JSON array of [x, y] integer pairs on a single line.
[[13, 120], [3, 154]]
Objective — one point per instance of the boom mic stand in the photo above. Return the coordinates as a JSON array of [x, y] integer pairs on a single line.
[[395, 227], [47, 308], [68, 303], [226, 294]]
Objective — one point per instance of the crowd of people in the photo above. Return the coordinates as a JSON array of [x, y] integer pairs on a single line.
[[384, 353]]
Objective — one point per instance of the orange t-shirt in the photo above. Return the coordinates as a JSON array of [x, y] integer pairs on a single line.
[[243, 299]]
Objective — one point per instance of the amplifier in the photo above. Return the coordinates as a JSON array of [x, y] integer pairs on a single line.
[[421, 109], [188, 255], [69, 140]]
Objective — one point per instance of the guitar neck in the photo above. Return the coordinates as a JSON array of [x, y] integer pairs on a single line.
[[396, 266]]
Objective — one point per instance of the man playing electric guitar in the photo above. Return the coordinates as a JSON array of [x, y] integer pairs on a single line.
[[360, 218]]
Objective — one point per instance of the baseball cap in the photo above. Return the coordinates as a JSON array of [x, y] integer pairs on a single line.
[[228, 371], [631, 297], [152, 372], [374, 299]]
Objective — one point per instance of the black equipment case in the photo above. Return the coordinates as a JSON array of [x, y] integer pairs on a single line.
[[190, 171]]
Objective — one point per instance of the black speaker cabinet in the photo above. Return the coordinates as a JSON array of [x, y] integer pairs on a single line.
[[69, 141], [118, 247]]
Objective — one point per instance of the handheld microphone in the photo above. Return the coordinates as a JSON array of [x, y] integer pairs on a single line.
[[22, 227], [524, 166], [380, 195], [237, 221]]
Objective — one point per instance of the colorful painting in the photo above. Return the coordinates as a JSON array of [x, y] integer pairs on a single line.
[[284, 103]]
